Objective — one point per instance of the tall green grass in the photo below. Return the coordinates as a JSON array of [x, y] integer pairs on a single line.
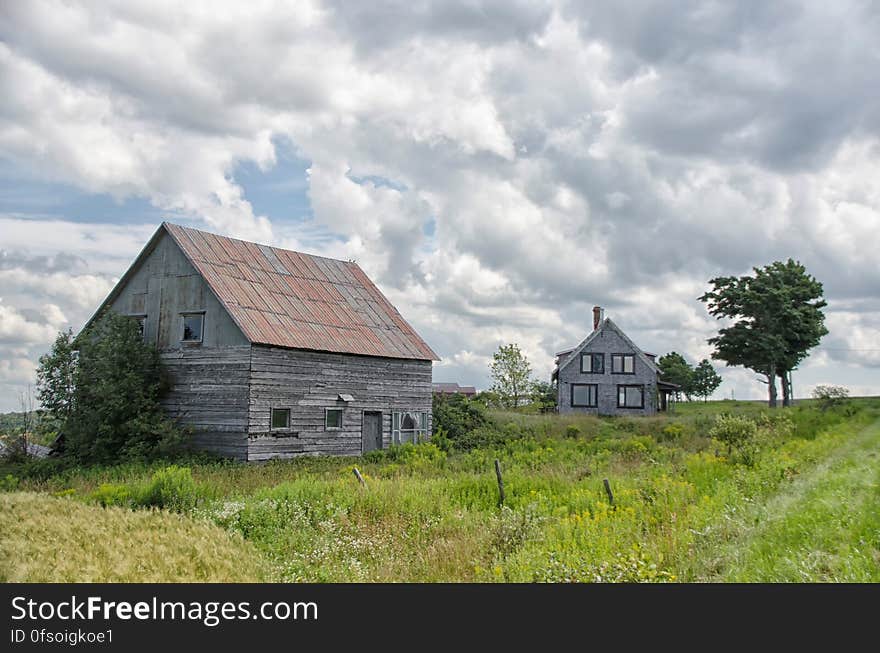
[[430, 514]]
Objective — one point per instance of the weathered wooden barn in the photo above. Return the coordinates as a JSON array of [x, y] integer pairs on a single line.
[[275, 353], [607, 374]]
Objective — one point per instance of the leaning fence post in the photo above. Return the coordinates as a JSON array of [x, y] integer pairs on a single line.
[[500, 483], [359, 477], [608, 491]]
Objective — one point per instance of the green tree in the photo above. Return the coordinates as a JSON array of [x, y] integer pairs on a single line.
[[778, 319], [56, 381], [543, 396], [118, 380], [675, 369], [705, 380], [510, 371], [456, 415]]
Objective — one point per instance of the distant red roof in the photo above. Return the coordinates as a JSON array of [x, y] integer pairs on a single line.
[[453, 388], [289, 299]]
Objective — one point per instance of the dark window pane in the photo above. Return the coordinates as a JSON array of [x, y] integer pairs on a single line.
[[192, 327], [334, 418], [280, 418], [583, 394], [598, 363]]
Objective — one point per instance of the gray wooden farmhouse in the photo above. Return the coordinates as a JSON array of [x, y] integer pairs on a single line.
[[274, 353], [607, 374]]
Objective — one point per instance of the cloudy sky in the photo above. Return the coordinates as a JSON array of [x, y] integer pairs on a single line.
[[497, 167]]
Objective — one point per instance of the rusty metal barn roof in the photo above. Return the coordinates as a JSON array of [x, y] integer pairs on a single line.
[[289, 299]]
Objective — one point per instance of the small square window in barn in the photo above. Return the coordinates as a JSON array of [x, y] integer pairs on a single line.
[[409, 427], [333, 418], [280, 418], [193, 324]]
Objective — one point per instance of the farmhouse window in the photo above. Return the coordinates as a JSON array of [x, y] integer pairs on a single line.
[[193, 324], [623, 363], [593, 363], [630, 396], [333, 418], [409, 427], [280, 418], [585, 394]]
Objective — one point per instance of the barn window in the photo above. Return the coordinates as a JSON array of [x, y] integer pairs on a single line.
[[623, 363], [409, 427], [333, 418], [193, 324], [593, 363], [630, 396], [585, 394], [280, 418]]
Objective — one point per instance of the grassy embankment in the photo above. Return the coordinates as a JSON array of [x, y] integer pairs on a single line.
[[806, 507]]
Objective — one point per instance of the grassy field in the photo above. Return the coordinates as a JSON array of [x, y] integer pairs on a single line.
[[802, 505]]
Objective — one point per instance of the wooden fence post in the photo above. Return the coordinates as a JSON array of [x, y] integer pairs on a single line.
[[500, 483], [359, 477], [608, 491]]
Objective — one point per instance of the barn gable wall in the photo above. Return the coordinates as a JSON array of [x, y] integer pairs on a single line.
[[164, 285], [209, 392]]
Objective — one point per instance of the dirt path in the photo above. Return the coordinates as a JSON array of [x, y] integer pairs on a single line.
[[825, 526]]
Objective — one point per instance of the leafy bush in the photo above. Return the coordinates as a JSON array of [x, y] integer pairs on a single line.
[[672, 431], [572, 431], [513, 527], [738, 433], [112, 412], [172, 488], [829, 396], [8, 483], [416, 456], [456, 416], [109, 494]]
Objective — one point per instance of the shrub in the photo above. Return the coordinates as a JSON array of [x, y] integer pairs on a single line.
[[738, 433], [671, 432], [572, 431], [829, 396], [9, 483], [513, 528], [172, 488], [112, 412], [456, 416], [109, 494]]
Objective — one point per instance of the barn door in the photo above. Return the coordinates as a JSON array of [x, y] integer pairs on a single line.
[[371, 433]]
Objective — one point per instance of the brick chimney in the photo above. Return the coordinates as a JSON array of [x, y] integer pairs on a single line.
[[598, 316]]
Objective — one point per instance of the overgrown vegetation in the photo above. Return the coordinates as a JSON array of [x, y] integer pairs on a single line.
[[46, 539], [101, 391], [684, 508]]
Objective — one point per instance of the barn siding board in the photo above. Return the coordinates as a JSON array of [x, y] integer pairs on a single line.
[[308, 382], [209, 394]]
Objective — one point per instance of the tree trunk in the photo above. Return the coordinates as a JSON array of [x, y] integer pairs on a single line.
[[786, 391], [771, 385]]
